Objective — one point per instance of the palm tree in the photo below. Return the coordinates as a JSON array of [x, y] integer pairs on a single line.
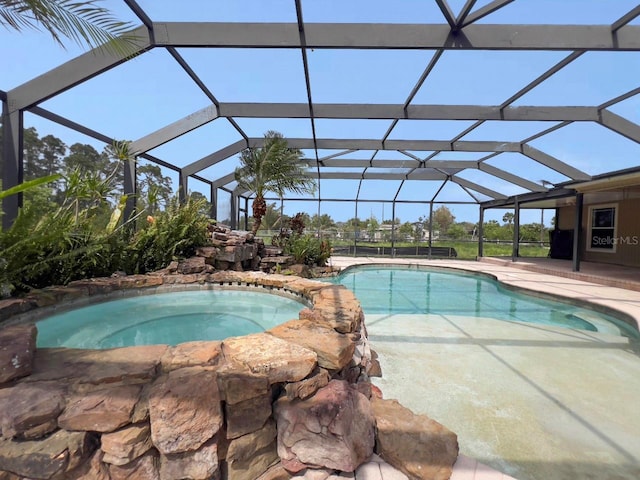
[[508, 218], [84, 22], [273, 168]]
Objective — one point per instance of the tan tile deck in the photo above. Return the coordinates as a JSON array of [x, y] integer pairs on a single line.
[[600, 273]]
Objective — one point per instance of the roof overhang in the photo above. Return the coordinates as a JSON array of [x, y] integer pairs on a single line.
[[557, 197], [608, 183]]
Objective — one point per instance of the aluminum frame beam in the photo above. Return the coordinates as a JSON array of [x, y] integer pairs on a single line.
[[397, 36], [625, 19], [357, 176], [529, 198], [364, 163], [426, 174], [511, 178], [93, 134], [456, 34], [478, 188], [620, 125], [554, 164], [222, 181], [175, 129], [466, 10], [354, 144], [71, 73], [373, 144], [486, 10], [13, 165], [447, 13], [215, 157], [410, 112]]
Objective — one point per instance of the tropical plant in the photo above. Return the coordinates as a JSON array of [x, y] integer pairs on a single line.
[[372, 227], [508, 218], [174, 233], [58, 243], [322, 222], [309, 250], [274, 167], [272, 219], [84, 22], [29, 185]]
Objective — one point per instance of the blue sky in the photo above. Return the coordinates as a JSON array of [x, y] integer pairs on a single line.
[[151, 91]]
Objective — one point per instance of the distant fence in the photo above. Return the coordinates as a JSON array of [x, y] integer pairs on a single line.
[[345, 244], [386, 251]]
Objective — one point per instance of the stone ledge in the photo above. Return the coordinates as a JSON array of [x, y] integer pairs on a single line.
[[147, 404]]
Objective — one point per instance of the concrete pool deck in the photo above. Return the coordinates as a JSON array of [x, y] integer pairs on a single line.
[[532, 401]]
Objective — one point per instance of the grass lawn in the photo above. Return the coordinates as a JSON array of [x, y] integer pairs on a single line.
[[467, 250]]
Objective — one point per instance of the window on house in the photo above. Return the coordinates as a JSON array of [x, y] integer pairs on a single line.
[[602, 228]]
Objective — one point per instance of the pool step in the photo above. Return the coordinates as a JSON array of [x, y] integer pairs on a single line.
[[467, 468]]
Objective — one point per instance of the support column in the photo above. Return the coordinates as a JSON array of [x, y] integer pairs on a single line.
[[356, 232], [393, 229], [516, 232], [430, 227], [214, 202], [246, 213], [481, 234], [234, 211], [12, 162], [130, 188], [577, 232], [183, 188]]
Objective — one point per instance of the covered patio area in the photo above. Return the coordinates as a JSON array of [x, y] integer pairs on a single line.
[[619, 276]]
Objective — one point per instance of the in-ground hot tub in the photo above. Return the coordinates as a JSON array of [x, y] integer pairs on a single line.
[[167, 318]]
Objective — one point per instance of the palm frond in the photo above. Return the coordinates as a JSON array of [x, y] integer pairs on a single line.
[[84, 22], [29, 184], [15, 14], [275, 167]]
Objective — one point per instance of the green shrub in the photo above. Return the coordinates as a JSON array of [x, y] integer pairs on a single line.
[[309, 250], [51, 248], [174, 233], [55, 245]]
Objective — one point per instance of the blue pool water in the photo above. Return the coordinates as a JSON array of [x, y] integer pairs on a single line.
[[167, 318], [394, 290]]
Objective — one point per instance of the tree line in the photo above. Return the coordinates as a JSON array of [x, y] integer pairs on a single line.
[[444, 227], [47, 155]]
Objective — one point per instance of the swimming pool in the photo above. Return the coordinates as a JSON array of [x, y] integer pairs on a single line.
[[167, 318], [401, 290]]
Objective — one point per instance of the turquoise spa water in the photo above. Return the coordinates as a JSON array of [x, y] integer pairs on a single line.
[[167, 318], [397, 290]]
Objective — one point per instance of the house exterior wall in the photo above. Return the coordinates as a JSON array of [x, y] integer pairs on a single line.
[[625, 249]]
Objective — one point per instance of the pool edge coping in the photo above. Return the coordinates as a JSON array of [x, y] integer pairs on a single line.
[[600, 305]]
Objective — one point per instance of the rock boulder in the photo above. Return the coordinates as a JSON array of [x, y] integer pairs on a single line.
[[333, 429], [17, 348], [199, 465], [185, 410], [251, 455], [103, 410], [279, 360], [29, 411], [334, 350], [414, 444], [127, 444], [54, 455], [146, 467]]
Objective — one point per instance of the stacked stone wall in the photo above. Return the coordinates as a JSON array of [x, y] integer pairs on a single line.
[[292, 402]]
